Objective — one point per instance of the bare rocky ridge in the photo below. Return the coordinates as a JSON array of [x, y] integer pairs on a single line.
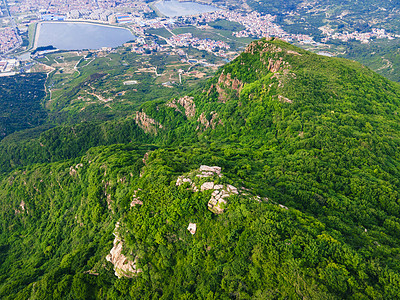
[[218, 200], [148, 124], [195, 180], [204, 123], [226, 81], [122, 265], [187, 103], [221, 192], [136, 199], [284, 99], [21, 209], [73, 171]]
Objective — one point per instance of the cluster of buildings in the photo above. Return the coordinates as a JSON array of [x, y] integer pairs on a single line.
[[255, 25], [363, 37], [135, 15], [8, 39], [177, 42], [7, 66], [98, 10], [142, 47], [187, 39]]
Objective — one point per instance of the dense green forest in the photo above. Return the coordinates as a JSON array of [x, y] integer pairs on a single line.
[[308, 150], [20, 102], [381, 56]]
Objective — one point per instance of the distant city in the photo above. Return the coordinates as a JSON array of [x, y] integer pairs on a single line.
[[19, 17]]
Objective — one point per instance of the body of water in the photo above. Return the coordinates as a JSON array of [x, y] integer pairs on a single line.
[[79, 36], [175, 8]]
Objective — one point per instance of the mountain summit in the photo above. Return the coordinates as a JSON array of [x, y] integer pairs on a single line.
[[277, 179]]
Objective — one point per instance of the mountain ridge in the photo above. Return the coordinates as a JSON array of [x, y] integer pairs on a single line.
[[310, 144]]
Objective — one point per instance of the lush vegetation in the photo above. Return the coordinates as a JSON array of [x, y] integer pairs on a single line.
[[20, 102], [342, 16], [381, 56], [329, 12], [312, 144]]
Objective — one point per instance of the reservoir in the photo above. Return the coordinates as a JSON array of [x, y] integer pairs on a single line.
[[176, 8], [79, 36]]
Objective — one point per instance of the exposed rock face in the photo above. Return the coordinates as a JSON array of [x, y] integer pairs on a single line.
[[260, 47], [226, 81], [207, 186], [203, 120], [73, 171], [282, 206], [205, 123], [204, 168], [22, 205], [217, 202], [181, 180], [122, 265], [271, 55], [145, 157], [221, 192], [187, 103], [148, 124], [135, 199], [21, 209], [293, 52], [284, 99], [192, 228], [274, 65]]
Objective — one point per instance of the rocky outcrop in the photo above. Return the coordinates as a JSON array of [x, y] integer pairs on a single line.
[[148, 124], [181, 180], [187, 103], [221, 192], [284, 99], [145, 158], [123, 267], [136, 199], [271, 55], [234, 84], [209, 171], [22, 205], [21, 209], [218, 200], [274, 65], [261, 47], [226, 81], [205, 123], [192, 228], [293, 52], [73, 170], [197, 182]]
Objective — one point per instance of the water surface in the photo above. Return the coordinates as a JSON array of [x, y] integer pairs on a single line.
[[79, 36], [175, 8]]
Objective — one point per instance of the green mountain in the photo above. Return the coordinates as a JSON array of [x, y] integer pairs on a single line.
[[277, 179]]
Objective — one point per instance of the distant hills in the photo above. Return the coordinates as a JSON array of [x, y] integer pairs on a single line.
[[286, 161]]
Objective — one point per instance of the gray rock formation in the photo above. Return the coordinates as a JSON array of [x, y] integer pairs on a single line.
[[122, 265], [148, 124]]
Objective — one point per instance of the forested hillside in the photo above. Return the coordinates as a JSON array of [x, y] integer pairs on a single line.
[[285, 166], [20, 102]]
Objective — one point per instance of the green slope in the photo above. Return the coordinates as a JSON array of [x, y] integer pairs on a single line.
[[310, 142]]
